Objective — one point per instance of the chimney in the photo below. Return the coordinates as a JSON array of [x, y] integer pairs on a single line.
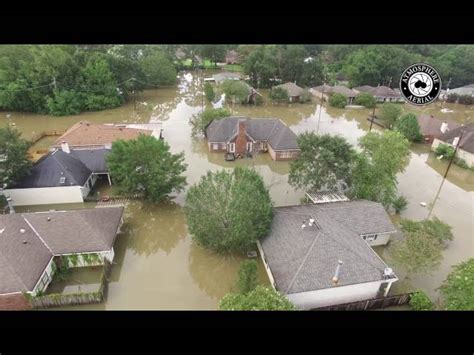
[[11, 209], [65, 147], [444, 127], [241, 140], [335, 279]]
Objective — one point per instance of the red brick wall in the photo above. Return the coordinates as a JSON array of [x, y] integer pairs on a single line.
[[241, 140], [14, 302]]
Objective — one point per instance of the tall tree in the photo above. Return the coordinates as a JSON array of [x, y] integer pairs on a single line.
[[324, 163], [14, 163], [145, 165], [407, 125], [158, 69], [229, 211], [260, 299]]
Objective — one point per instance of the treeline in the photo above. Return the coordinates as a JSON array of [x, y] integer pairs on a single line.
[[69, 79]]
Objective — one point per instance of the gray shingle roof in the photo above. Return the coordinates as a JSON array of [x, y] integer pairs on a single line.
[[272, 130], [76, 231], [291, 88], [467, 142], [93, 159], [227, 76], [338, 89], [304, 260], [430, 125]]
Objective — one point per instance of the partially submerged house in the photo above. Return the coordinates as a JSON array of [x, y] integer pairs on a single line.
[[32, 246], [467, 90], [241, 135], [325, 91], [453, 138], [320, 255], [232, 57], [431, 127], [293, 90], [89, 135], [381, 93], [221, 77], [62, 176]]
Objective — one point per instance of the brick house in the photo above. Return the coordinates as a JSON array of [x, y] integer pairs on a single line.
[[241, 135]]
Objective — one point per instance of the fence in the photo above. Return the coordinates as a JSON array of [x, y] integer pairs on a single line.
[[36, 137], [375, 303], [58, 300]]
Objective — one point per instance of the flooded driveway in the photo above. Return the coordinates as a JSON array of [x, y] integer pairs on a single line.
[[157, 264]]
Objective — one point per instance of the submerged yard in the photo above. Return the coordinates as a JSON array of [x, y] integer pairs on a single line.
[[158, 266]]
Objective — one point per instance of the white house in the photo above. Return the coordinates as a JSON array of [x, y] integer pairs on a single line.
[[320, 255], [31, 244], [453, 138], [62, 176]]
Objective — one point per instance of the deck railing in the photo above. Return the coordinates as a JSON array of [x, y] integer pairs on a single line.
[[374, 303]]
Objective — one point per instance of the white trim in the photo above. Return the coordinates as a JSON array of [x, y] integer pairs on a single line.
[[13, 293], [267, 267], [231, 147], [42, 274]]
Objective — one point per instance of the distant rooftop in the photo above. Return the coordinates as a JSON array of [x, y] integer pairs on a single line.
[[291, 88]]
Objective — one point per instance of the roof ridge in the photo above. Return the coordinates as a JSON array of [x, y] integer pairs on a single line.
[[37, 234], [66, 170]]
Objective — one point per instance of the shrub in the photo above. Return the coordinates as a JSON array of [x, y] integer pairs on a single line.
[[238, 91], [278, 94], [306, 96], [337, 100], [408, 125], [260, 299], [466, 99], [452, 98], [444, 150], [365, 99], [419, 301], [389, 114], [247, 276], [400, 204], [209, 92], [458, 288]]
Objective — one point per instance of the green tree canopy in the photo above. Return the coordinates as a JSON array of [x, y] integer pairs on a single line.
[[324, 163], [236, 90], [260, 299], [247, 276], [209, 92], [146, 165], [14, 163], [229, 211], [420, 250], [203, 119], [458, 289], [337, 100], [407, 125], [389, 113], [278, 95], [365, 99], [375, 169], [158, 69]]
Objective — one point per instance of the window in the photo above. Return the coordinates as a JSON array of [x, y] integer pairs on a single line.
[[62, 180], [285, 154], [215, 146], [249, 146], [370, 237], [232, 147]]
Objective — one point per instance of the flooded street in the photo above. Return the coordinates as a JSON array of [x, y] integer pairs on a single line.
[[157, 264]]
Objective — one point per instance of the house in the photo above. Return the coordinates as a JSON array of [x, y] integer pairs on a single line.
[[241, 135], [221, 77], [89, 135], [32, 246], [62, 176], [466, 144], [179, 54], [293, 90], [381, 93], [232, 57], [463, 90], [325, 91], [320, 255], [432, 127]]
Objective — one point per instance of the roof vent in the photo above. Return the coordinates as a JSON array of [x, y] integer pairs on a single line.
[[25, 242], [49, 218], [311, 221], [335, 279], [387, 272], [2, 230], [303, 226], [22, 231]]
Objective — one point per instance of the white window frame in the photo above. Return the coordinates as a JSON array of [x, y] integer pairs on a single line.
[[215, 146], [248, 146], [231, 147]]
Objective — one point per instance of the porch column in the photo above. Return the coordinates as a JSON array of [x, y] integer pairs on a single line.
[[387, 289], [110, 181]]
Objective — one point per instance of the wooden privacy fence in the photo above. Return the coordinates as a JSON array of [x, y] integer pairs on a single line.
[[58, 299], [36, 137], [374, 303]]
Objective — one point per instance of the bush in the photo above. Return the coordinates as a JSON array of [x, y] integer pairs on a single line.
[[408, 125], [419, 301], [337, 100], [236, 90], [247, 276], [202, 120], [260, 299], [365, 99], [458, 288], [389, 114], [278, 95], [229, 210], [209, 92], [306, 96], [444, 150], [466, 100], [400, 204], [258, 100], [452, 98], [65, 102]]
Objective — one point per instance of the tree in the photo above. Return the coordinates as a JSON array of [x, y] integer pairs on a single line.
[[14, 163], [400, 204], [158, 69], [262, 65], [306, 96], [247, 276], [337, 100], [324, 163], [65, 102], [407, 125], [229, 211], [236, 90], [420, 250], [279, 94], [375, 169], [458, 288], [419, 301], [145, 165], [389, 113], [202, 120], [444, 150], [209, 92], [365, 99], [214, 52], [260, 299]]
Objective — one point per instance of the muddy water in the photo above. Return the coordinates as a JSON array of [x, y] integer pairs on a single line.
[[157, 264]]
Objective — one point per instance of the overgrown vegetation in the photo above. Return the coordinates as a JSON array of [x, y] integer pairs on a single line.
[[209, 92], [389, 113], [458, 288], [14, 162], [407, 125], [261, 298], [446, 152], [236, 90], [419, 301], [365, 99], [279, 95], [229, 210], [203, 119], [400, 204], [337, 100], [247, 276]]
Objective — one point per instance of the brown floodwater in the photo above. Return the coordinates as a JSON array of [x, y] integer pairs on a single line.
[[158, 266]]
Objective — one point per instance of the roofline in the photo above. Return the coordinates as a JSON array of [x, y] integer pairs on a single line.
[[41, 275], [12, 293]]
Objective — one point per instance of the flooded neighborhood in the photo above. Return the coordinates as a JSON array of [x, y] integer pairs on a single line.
[[157, 265]]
